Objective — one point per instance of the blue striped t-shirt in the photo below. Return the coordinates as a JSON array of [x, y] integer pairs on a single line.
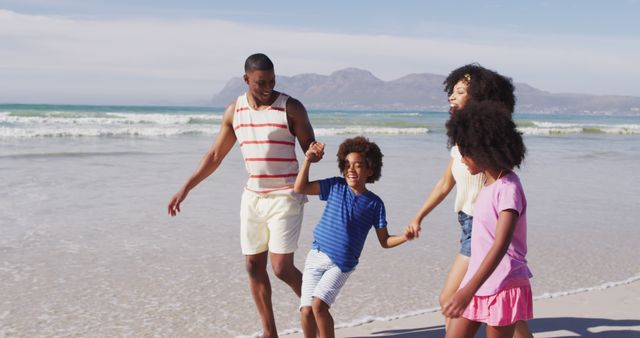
[[346, 221]]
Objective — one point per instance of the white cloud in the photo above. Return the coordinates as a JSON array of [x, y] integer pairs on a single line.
[[48, 58]]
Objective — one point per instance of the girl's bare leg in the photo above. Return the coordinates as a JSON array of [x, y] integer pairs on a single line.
[[522, 330], [462, 328], [500, 331]]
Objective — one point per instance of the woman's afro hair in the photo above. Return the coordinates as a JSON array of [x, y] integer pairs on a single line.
[[483, 84]]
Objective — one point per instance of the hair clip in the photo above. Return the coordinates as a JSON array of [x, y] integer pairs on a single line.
[[467, 77]]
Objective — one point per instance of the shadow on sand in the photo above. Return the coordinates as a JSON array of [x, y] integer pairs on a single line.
[[549, 327]]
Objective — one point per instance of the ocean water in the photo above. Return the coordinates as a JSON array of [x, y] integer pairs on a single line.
[[87, 248]]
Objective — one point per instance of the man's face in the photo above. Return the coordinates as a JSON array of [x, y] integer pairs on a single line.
[[261, 83]]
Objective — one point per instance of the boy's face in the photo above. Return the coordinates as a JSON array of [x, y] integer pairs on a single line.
[[261, 84], [471, 165], [356, 171]]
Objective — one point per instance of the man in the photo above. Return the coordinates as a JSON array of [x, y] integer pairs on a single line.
[[265, 123]]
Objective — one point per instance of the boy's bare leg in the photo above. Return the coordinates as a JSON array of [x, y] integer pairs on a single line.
[[256, 266], [323, 318], [308, 322]]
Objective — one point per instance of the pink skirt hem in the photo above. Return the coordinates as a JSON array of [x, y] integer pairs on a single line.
[[502, 309]]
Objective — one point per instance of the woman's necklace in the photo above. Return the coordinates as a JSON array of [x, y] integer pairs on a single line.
[[500, 174]]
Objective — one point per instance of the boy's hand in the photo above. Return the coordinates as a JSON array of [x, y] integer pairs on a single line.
[[315, 152]]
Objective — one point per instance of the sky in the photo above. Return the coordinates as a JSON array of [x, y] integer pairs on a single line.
[[183, 52]]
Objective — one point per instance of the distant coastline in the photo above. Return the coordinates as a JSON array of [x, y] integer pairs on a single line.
[[357, 89]]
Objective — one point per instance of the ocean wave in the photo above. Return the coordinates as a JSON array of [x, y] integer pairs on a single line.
[[70, 154], [555, 128], [123, 131], [607, 285], [363, 130], [140, 130], [97, 119]]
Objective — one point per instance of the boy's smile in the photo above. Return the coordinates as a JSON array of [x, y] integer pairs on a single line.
[[356, 172]]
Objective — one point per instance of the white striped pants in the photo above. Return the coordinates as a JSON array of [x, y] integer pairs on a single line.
[[321, 278]]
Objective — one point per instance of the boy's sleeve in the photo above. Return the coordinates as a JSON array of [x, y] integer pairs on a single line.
[[325, 187], [381, 216], [510, 197]]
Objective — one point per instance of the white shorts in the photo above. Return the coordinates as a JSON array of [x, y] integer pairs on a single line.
[[269, 223], [321, 278]]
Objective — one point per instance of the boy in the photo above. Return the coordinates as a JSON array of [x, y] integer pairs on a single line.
[[339, 237]]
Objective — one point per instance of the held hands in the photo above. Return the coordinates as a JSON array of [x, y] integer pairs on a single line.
[[407, 236], [315, 152], [413, 229], [456, 306]]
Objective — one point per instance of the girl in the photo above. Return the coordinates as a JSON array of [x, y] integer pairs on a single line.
[[495, 289], [468, 83]]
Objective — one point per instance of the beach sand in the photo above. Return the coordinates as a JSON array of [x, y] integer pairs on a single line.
[[606, 311]]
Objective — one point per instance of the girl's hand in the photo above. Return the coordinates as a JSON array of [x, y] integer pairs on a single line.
[[456, 306]]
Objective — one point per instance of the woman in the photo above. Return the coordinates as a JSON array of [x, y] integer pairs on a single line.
[[471, 82]]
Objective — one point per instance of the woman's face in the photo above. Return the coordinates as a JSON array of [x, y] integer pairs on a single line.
[[459, 96]]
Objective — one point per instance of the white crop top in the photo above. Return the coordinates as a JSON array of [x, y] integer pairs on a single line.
[[467, 186]]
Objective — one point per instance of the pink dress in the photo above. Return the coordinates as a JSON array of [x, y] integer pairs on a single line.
[[505, 297]]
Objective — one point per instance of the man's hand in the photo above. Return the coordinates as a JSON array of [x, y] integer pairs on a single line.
[[315, 152]]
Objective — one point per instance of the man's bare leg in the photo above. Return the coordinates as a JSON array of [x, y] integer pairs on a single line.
[[284, 269], [256, 266]]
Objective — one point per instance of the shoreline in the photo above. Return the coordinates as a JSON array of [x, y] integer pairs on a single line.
[[605, 310]]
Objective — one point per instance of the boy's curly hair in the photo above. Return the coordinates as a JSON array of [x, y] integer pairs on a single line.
[[485, 132], [369, 150], [484, 84]]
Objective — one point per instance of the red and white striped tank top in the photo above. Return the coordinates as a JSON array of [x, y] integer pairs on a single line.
[[267, 145]]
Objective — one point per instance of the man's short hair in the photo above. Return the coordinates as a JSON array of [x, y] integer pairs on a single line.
[[258, 61]]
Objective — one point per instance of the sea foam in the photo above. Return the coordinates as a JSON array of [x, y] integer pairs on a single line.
[[554, 128]]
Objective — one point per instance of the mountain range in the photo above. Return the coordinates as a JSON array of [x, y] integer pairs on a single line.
[[357, 89]]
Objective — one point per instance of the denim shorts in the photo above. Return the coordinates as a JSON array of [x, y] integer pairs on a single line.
[[465, 238]]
